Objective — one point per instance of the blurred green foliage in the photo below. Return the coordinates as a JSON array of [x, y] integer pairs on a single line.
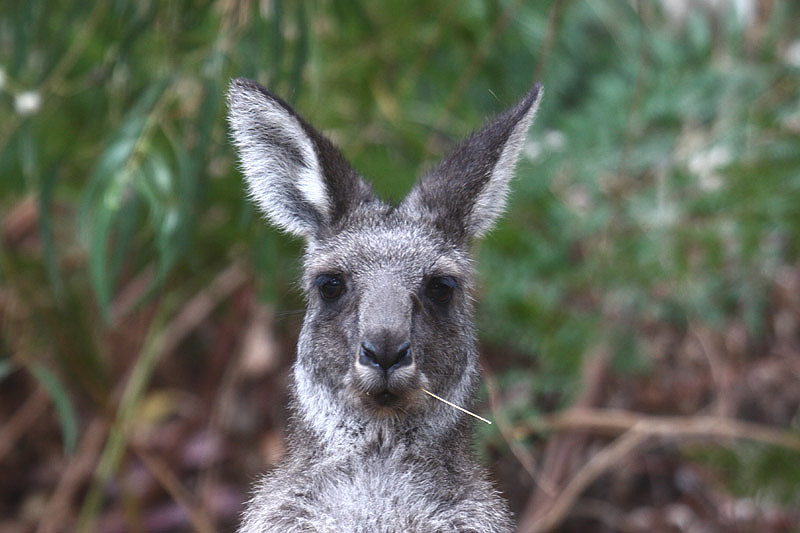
[[661, 181], [764, 473]]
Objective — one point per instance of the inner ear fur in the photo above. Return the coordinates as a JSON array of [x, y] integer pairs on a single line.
[[296, 176]]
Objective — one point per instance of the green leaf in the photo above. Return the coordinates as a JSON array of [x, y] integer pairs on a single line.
[[46, 187], [111, 181], [64, 408], [757, 471]]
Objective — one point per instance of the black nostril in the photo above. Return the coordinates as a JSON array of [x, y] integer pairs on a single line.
[[386, 358], [367, 355], [403, 354]]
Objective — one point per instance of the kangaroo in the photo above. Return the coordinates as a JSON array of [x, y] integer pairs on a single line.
[[389, 291]]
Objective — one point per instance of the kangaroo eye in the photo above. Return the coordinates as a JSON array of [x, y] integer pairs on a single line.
[[440, 289], [330, 287]]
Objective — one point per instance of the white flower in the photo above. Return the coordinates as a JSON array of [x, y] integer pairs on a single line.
[[28, 103], [555, 140], [791, 56], [552, 141], [705, 164]]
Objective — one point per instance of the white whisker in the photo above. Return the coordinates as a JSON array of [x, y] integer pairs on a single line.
[[451, 404]]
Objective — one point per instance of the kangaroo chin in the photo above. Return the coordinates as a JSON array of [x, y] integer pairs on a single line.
[[388, 336]]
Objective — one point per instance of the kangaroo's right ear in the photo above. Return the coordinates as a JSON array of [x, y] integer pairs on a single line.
[[466, 193], [295, 174]]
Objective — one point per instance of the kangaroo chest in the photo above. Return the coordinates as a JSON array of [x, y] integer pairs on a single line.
[[378, 494]]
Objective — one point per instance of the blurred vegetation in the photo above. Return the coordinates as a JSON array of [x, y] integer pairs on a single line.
[[659, 188]]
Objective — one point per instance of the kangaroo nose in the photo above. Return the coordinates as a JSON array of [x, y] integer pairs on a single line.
[[388, 357]]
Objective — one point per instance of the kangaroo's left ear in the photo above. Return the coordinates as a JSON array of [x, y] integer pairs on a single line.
[[467, 192]]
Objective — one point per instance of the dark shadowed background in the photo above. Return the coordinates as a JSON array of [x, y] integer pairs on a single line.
[[640, 317]]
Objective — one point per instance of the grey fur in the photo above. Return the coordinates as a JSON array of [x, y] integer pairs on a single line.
[[368, 451]]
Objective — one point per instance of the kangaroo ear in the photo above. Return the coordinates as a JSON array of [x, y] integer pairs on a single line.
[[467, 192], [295, 175]]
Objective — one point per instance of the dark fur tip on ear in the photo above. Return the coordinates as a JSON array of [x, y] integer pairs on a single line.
[[527, 106], [467, 192], [533, 94]]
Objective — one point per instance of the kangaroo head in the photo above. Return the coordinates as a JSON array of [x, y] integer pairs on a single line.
[[389, 288]]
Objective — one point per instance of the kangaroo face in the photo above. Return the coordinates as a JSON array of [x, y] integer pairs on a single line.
[[389, 304], [388, 287]]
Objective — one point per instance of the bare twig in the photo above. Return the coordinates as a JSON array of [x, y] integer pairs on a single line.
[[635, 430], [721, 373], [563, 449], [607, 458], [22, 420], [79, 469], [131, 294], [507, 432], [608, 421], [199, 518], [160, 343]]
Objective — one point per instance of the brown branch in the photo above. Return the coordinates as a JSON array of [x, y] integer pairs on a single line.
[[601, 462], [129, 392], [80, 468], [22, 420], [634, 430], [609, 421], [525, 459], [201, 521], [564, 449]]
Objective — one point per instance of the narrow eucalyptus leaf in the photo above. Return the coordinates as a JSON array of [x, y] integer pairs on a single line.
[[109, 183], [46, 187], [98, 256], [63, 404]]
